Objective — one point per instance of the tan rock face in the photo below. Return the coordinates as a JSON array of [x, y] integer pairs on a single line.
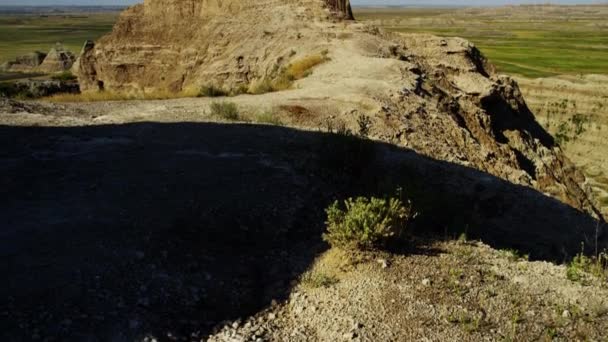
[[58, 60], [439, 97]]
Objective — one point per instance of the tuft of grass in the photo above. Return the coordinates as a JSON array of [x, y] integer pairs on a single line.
[[268, 118], [225, 110], [64, 76], [318, 280], [211, 91], [514, 255], [293, 72], [303, 67], [582, 266]]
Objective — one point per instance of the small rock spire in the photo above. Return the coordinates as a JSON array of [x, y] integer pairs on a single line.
[[341, 7]]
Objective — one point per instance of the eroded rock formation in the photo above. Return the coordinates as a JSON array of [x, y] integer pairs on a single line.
[[439, 97]]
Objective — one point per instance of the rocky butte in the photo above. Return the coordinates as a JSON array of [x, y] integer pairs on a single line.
[[439, 97]]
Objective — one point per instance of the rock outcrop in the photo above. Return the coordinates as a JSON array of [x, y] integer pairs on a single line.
[[25, 63], [58, 59], [439, 97]]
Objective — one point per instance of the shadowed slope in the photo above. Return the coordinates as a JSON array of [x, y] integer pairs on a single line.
[[156, 228]]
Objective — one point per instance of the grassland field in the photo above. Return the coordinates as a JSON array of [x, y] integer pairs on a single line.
[[529, 40], [21, 34]]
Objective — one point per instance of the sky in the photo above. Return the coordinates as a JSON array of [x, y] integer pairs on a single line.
[[354, 2]]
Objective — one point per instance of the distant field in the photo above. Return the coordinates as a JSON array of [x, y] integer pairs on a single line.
[[20, 34], [532, 41]]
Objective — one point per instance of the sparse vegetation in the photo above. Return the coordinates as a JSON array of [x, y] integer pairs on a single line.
[[212, 91], [8, 89], [318, 280], [268, 118], [582, 266], [344, 153], [100, 96], [365, 125], [225, 110], [303, 67], [570, 130], [294, 71], [514, 255], [64, 76], [366, 223]]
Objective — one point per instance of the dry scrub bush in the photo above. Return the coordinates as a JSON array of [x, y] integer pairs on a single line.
[[366, 223], [302, 67], [225, 110], [294, 71]]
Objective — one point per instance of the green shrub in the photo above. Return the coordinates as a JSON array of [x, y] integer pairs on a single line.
[[11, 90], [211, 91], [582, 266], [64, 76], [225, 110], [366, 223]]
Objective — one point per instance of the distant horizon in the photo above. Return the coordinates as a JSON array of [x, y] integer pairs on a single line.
[[355, 3]]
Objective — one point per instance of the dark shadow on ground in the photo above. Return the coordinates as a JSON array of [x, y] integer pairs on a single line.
[[114, 232]]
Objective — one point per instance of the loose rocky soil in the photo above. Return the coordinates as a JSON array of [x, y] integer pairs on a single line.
[[437, 292]]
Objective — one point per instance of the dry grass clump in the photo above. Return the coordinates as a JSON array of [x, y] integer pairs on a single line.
[[119, 96], [269, 118], [296, 70], [225, 110], [302, 67]]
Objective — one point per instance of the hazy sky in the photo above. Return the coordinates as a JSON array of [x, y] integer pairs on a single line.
[[355, 2]]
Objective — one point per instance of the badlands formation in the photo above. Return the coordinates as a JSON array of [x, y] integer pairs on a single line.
[[155, 220], [439, 97]]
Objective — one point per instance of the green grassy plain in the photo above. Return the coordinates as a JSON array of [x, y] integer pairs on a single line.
[[520, 40], [21, 34]]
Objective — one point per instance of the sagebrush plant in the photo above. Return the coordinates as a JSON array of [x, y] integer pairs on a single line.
[[225, 110], [581, 266], [366, 223]]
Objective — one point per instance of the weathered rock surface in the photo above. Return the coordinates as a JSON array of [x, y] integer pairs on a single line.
[[58, 60], [437, 96], [26, 63]]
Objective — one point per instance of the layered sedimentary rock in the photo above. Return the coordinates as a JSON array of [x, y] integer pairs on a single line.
[[439, 97], [58, 59], [25, 63]]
